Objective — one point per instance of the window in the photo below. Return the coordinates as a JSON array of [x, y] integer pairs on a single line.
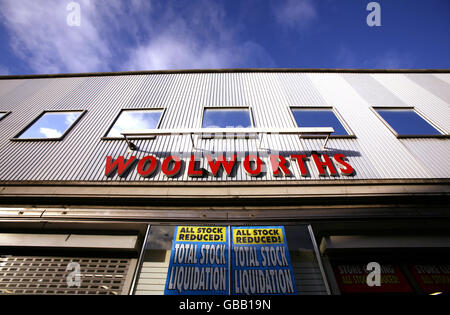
[[407, 122], [51, 125], [158, 262], [3, 115], [226, 118], [135, 119], [318, 117]]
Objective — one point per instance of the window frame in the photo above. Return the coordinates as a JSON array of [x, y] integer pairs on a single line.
[[81, 111], [442, 134], [5, 112], [249, 108], [350, 134], [158, 125]]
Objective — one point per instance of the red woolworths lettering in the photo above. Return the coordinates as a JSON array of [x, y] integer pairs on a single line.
[[118, 164], [247, 167], [192, 172], [348, 169], [176, 165], [253, 165], [151, 161], [324, 164], [278, 162], [227, 165], [299, 158]]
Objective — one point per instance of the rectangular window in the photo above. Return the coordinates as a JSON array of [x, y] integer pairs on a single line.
[[226, 118], [165, 254], [318, 117], [51, 125], [3, 115], [407, 122], [135, 119]]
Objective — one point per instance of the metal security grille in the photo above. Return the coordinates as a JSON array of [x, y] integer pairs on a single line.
[[48, 275]]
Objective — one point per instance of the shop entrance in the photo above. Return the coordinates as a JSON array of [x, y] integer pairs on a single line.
[[253, 259]]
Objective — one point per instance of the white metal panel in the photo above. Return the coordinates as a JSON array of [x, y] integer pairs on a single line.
[[8, 86], [375, 153], [373, 92], [443, 76], [433, 154], [377, 142], [432, 84], [413, 94]]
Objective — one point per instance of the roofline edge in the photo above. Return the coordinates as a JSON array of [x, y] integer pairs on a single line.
[[232, 70]]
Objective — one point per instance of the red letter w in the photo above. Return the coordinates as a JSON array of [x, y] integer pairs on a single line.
[[227, 165], [118, 164]]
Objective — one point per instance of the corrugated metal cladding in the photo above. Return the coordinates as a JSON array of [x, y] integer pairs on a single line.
[[375, 153]]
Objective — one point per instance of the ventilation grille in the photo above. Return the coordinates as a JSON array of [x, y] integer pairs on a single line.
[[48, 275]]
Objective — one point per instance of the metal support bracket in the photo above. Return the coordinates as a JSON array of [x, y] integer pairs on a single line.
[[131, 145], [316, 131], [325, 143], [193, 143]]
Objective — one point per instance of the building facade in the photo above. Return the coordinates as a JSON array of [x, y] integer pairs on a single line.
[[101, 172]]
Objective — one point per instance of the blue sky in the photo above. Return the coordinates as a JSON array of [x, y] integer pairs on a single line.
[[192, 34]]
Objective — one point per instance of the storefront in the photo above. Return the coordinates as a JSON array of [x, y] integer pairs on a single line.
[[238, 182]]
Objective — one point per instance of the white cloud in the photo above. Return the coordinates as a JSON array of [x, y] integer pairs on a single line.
[[50, 133], [133, 120], [295, 13], [393, 59], [126, 35], [199, 38], [40, 35], [70, 118], [171, 51]]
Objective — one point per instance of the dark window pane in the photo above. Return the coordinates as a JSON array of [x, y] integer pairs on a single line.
[[407, 122], [135, 120], [318, 118], [226, 118], [50, 125]]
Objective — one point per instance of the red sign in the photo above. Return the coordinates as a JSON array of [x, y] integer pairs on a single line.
[[352, 278], [253, 165], [432, 278]]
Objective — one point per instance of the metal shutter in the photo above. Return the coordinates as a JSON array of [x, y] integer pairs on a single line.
[[152, 279], [48, 275]]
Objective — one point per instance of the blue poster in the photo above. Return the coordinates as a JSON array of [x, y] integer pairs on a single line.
[[260, 261], [199, 261], [253, 260]]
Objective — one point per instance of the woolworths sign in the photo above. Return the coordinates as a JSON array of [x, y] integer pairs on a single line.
[[236, 260]]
